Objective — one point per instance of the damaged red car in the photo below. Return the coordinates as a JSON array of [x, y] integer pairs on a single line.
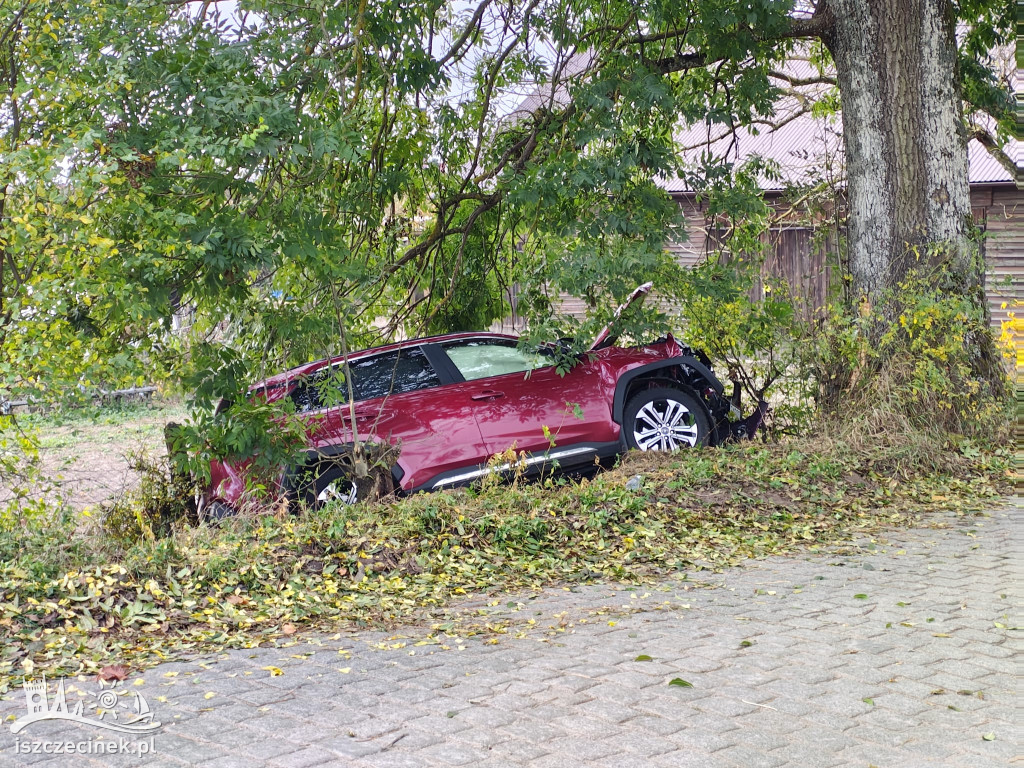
[[447, 404]]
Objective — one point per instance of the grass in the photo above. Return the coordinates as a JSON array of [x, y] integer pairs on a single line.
[[71, 603], [83, 452], [79, 428]]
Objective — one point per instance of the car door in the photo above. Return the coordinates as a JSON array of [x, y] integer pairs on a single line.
[[400, 398], [517, 395]]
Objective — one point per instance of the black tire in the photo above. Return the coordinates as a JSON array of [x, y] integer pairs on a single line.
[[665, 418], [334, 473], [316, 484], [216, 511]]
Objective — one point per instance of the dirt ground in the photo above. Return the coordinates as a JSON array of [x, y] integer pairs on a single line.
[[86, 454]]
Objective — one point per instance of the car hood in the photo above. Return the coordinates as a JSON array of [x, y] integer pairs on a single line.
[[606, 338]]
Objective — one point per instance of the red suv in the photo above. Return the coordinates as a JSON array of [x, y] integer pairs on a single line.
[[449, 403]]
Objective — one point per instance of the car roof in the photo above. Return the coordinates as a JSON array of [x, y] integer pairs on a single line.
[[283, 378]]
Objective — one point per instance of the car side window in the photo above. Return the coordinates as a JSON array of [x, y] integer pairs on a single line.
[[480, 358], [391, 373]]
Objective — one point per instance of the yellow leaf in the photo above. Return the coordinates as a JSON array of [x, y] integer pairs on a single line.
[[209, 695], [274, 671], [345, 670]]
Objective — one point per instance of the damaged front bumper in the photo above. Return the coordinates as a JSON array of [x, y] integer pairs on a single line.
[[745, 429]]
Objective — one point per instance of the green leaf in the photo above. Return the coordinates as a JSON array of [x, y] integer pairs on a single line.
[[746, 643], [989, 737], [680, 683], [869, 701], [643, 657]]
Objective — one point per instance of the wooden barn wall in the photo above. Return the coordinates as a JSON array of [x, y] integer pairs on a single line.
[[807, 267], [806, 263], [1002, 209]]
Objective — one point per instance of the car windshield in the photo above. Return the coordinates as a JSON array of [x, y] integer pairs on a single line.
[[480, 359]]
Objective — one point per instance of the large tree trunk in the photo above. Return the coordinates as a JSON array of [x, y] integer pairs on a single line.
[[906, 161], [905, 148]]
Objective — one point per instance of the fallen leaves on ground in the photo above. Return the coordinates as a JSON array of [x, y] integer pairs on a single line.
[[114, 672], [257, 580]]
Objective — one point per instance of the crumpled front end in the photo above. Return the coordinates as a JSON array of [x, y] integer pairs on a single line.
[[745, 429], [227, 484]]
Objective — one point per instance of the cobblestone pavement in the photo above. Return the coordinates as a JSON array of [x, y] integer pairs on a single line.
[[898, 652]]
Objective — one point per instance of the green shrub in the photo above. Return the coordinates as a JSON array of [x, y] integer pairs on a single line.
[[919, 362], [162, 500]]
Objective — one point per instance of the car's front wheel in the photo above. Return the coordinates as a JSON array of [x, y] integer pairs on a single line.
[[320, 482], [665, 419]]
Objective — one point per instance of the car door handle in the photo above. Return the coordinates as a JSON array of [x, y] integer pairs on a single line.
[[487, 394]]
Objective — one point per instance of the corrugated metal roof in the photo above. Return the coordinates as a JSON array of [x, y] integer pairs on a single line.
[[982, 167], [805, 148]]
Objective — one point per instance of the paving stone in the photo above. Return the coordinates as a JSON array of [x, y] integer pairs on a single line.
[[517, 752], [229, 761], [694, 758], [622, 760], [641, 743], [727, 707], [391, 759], [260, 748], [793, 698], [453, 754], [302, 758], [580, 748], [610, 711], [751, 758], [706, 741], [806, 755]]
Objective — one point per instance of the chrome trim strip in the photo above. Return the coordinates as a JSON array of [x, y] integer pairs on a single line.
[[505, 467]]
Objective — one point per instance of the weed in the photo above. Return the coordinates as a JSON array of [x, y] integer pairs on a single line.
[[162, 500]]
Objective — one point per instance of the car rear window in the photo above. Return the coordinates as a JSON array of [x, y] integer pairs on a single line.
[[391, 373]]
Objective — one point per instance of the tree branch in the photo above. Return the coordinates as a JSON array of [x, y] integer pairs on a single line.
[[818, 24], [988, 141], [679, 63], [799, 81]]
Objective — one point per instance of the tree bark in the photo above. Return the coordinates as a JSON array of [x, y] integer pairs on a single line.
[[906, 153], [906, 148]]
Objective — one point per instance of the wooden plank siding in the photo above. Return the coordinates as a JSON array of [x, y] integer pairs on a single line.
[[807, 264], [1004, 248]]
